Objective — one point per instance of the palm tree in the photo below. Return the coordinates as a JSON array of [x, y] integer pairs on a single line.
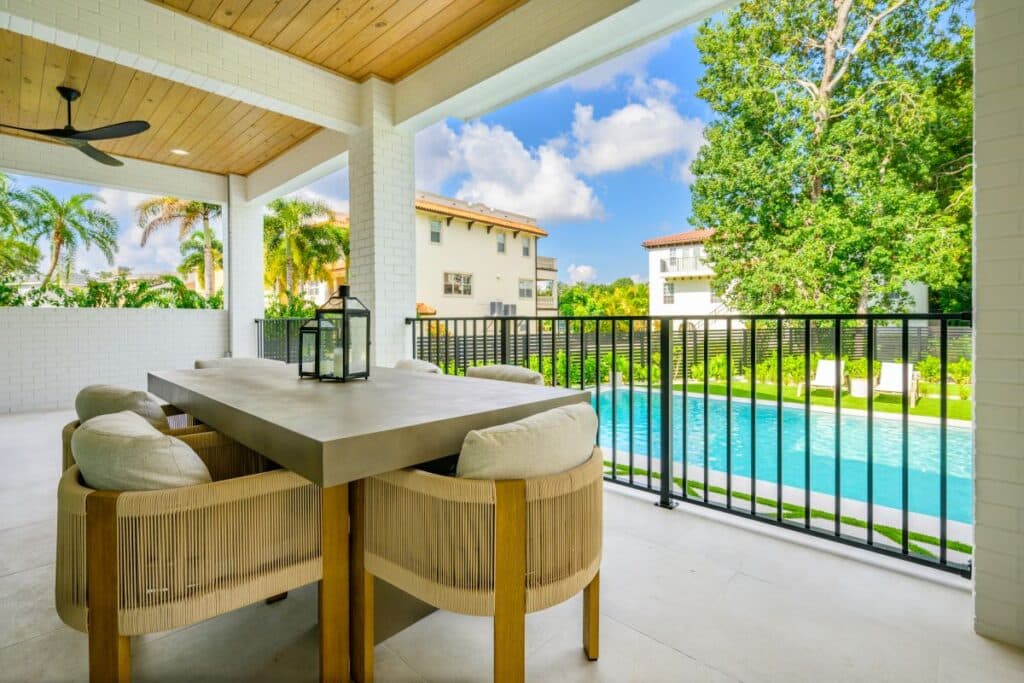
[[17, 256], [69, 225], [160, 212], [300, 243], [193, 255]]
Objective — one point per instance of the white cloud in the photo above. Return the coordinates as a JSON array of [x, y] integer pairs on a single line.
[[581, 273], [308, 194], [629, 64], [504, 174], [636, 133], [437, 156], [638, 278]]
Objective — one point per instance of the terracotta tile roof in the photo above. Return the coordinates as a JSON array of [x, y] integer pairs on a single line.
[[688, 237], [426, 201], [423, 309]]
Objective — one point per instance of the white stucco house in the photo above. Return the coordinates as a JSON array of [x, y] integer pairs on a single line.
[[680, 280]]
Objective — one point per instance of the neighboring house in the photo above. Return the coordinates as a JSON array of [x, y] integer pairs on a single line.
[[680, 280], [471, 261]]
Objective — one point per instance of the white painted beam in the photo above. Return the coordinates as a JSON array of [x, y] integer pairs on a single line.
[[60, 162], [154, 39], [533, 47], [306, 162]]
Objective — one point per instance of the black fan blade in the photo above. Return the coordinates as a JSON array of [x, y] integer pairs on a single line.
[[114, 130], [49, 132], [94, 153]]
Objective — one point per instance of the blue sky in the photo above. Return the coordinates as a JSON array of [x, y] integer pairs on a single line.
[[601, 160]]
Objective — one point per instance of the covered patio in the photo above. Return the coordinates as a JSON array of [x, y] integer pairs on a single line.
[[268, 98]]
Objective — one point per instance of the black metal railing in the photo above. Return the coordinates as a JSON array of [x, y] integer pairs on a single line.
[[740, 414], [278, 338]]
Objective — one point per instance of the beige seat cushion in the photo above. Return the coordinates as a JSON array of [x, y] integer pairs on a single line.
[[103, 399], [238, 363], [415, 365], [547, 443], [123, 452], [505, 373]]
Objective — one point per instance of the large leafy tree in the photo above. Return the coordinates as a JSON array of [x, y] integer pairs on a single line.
[[69, 225], [190, 217], [301, 241], [838, 166]]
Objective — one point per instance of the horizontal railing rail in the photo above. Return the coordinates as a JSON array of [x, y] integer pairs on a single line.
[[745, 414]]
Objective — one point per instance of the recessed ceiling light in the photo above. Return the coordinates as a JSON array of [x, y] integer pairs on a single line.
[[179, 152]]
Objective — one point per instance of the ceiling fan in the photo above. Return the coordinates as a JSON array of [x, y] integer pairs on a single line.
[[79, 139]]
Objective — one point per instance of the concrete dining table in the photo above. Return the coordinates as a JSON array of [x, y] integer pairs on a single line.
[[336, 435]]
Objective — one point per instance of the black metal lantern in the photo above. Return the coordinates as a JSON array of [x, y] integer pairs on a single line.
[[335, 344]]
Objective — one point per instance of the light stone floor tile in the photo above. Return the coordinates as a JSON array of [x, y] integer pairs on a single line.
[[684, 598]]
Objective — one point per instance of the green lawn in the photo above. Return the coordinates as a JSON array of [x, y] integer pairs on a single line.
[[926, 407]]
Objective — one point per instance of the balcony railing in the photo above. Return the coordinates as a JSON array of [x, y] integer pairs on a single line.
[[546, 263], [684, 265], [546, 303], [862, 466]]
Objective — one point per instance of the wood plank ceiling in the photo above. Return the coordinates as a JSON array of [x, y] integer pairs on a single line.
[[221, 135], [355, 38]]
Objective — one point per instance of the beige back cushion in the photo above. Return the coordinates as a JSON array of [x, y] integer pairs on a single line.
[[547, 443], [505, 373], [415, 365], [237, 363], [123, 452], [103, 399]]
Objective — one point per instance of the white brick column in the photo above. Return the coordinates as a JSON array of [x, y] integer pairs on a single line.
[[999, 320], [383, 220], [243, 258]]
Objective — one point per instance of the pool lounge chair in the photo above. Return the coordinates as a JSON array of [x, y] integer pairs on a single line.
[[825, 376], [891, 381]]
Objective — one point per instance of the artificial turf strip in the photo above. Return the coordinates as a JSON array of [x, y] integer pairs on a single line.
[[794, 511]]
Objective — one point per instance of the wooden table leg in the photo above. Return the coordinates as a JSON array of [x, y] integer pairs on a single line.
[[592, 617], [361, 622], [109, 652], [510, 582], [334, 586]]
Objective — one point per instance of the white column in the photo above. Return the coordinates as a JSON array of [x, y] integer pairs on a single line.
[[999, 320], [383, 220], [243, 246]]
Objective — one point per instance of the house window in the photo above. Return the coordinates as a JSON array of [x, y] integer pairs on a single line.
[[435, 231], [501, 243], [526, 289], [526, 246], [669, 293], [458, 284]]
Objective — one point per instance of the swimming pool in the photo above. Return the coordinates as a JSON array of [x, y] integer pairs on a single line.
[[923, 441]]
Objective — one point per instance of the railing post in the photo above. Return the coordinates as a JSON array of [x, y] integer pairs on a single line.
[[503, 341], [665, 348]]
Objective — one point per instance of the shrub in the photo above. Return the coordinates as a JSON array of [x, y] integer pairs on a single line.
[[930, 368], [960, 372], [858, 368]]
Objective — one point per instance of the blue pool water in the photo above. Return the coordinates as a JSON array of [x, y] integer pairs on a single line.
[[923, 441]]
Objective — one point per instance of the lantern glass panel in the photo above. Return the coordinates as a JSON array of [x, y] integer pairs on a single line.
[[308, 348], [358, 337]]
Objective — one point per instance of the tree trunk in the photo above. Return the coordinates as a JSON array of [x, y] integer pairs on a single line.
[[289, 275], [208, 256], [54, 257]]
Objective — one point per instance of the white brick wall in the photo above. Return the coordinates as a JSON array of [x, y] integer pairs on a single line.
[[999, 323], [21, 155], [383, 220], [48, 354]]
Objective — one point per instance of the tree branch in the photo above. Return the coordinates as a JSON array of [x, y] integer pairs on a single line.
[[862, 40]]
